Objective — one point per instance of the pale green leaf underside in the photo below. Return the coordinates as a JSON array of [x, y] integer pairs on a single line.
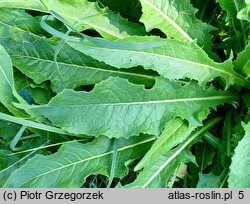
[[171, 59], [34, 56], [239, 176], [104, 21], [117, 108], [73, 162]]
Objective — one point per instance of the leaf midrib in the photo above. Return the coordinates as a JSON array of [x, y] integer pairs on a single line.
[[181, 148], [85, 67], [20, 29], [9, 83], [169, 20], [77, 20], [159, 145], [140, 102], [65, 64], [234, 75]]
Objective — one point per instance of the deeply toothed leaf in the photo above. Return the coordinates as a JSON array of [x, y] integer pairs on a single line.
[[117, 108], [171, 59]]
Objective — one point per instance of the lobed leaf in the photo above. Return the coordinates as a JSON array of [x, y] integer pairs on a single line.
[[175, 131], [171, 59], [177, 20], [158, 173], [149, 93], [86, 14], [117, 108], [34, 56], [74, 162]]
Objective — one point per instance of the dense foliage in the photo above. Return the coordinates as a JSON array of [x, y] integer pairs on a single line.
[[128, 93]]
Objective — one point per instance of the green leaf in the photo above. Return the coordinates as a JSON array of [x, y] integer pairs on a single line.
[[232, 7], [208, 181], [242, 64], [6, 77], [7, 131], [239, 176], [6, 161], [7, 90], [244, 14], [104, 21], [34, 56], [6, 69], [171, 59], [159, 172], [14, 22], [9, 163], [177, 20], [239, 29], [174, 132], [212, 140], [130, 9], [225, 146], [117, 108], [157, 91], [32, 124], [39, 93], [206, 11], [204, 155], [74, 162], [34, 4]]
